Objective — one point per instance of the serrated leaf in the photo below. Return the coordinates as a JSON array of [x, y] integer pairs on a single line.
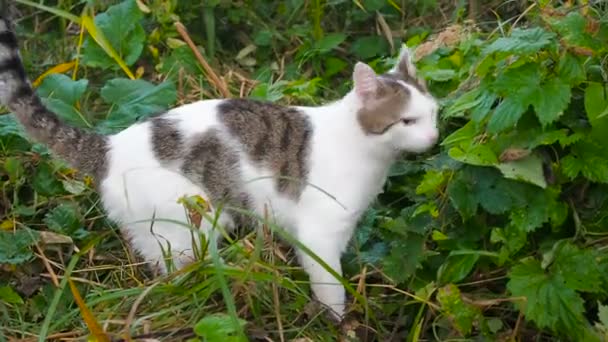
[[404, 258], [551, 100], [467, 101], [550, 303], [436, 74], [456, 267], [528, 169], [463, 315], [461, 198], [431, 182], [10, 126], [480, 155], [218, 327], [573, 29], [45, 182], [64, 218], [506, 115], [578, 267], [522, 41], [15, 246], [571, 69]]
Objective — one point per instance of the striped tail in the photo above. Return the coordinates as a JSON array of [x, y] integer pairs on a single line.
[[83, 150]]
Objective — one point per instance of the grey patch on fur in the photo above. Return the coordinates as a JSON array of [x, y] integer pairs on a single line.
[[415, 82], [385, 111], [167, 141], [85, 151], [213, 164], [275, 136]]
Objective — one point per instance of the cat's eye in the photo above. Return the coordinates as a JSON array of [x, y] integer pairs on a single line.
[[408, 122]]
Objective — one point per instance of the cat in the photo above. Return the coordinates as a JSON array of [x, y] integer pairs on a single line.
[[316, 169]]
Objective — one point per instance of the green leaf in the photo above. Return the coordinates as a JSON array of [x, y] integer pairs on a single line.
[[183, 58], [435, 74], [462, 315], [333, 65], [405, 257], [578, 267], [60, 94], [45, 182], [218, 328], [603, 314], [461, 198], [15, 246], [522, 41], [330, 42], [506, 115], [473, 154], [431, 182], [589, 158], [456, 267], [528, 169], [551, 100], [550, 303], [539, 208], [14, 168], [368, 47], [121, 25], [571, 69], [573, 29], [596, 103], [135, 99], [8, 295], [10, 126], [467, 101], [64, 218]]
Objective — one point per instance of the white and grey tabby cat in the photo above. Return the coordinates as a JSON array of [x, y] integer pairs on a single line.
[[316, 168]]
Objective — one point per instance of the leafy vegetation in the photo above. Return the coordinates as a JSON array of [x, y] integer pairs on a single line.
[[500, 233]]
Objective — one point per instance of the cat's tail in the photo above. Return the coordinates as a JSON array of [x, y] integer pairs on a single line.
[[83, 150]]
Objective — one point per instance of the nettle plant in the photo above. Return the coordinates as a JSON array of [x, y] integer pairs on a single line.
[[515, 202]]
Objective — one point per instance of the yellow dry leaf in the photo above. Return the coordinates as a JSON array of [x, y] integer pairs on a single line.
[[57, 69], [7, 225], [98, 36], [87, 316]]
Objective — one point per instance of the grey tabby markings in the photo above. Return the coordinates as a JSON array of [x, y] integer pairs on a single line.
[[275, 136], [84, 150], [385, 109], [215, 165], [167, 141]]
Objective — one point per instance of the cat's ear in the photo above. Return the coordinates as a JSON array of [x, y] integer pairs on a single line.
[[405, 65], [365, 80]]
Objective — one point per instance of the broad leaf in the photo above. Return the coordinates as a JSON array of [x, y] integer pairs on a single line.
[[457, 267], [15, 247], [578, 267], [528, 169], [462, 315], [60, 94], [551, 100], [549, 302], [121, 25], [218, 328], [134, 100], [522, 41]]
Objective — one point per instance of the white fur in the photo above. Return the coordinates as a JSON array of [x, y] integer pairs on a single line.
[[345, 163]]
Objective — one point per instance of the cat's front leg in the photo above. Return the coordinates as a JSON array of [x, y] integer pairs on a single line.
[[327, 245]]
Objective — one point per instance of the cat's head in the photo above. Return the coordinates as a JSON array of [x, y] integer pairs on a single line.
[[396, 106]]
